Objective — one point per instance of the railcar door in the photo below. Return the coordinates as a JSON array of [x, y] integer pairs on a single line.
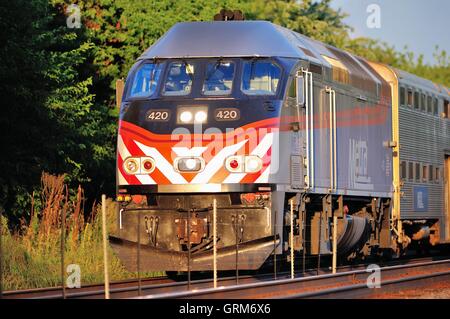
[[304, 164]]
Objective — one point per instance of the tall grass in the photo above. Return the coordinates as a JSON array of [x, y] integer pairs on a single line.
[[32, 255]]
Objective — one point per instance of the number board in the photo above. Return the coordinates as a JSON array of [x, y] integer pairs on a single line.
[[158, 115], [227, 114]]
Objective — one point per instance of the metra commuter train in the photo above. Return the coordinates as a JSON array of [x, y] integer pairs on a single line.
[[273, 126]]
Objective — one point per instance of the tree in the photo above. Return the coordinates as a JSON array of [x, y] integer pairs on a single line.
[[50, 121]]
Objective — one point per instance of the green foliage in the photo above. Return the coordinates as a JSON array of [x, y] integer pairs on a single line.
[[373, 50], [32, 259], [53, 121]]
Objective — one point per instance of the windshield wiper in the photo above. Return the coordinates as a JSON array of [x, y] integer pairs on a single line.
[[191, 75], [215, 67]]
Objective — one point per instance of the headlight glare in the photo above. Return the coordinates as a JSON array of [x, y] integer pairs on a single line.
[[186, 116], [200, 117]]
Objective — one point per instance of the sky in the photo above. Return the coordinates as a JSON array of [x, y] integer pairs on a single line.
[[418, 24]]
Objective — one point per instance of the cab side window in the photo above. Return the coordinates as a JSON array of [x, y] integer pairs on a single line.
[[145, 80], [260, 78]]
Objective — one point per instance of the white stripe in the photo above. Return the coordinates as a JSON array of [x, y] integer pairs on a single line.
[[145, 179], [216, 163], [234, 178], [264, 177], [162, 164], [260, 150], [184, 151], [123, 151], [263, 146]]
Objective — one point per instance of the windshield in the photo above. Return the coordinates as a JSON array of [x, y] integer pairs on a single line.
[[257, 77], [260, 78], [219, 78], [179, 79], [145, 80]]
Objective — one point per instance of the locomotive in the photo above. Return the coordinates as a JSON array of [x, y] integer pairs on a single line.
[[287, 139]]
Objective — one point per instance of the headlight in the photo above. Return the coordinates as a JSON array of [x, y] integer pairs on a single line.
[[243, 164], [131, 165], [200, 117], [186, 117], [192, 115], [253, 164], [189, 164]]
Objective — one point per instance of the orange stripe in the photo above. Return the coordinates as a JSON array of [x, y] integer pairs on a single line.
[[219, 176], [149, 136]]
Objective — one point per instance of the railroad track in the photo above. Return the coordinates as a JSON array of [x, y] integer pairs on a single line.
[[346, 284], [85, 291], [163, 285]]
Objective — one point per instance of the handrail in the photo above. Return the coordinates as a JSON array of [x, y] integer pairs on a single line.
[[334, 140], [311, 97], [332, 128], [309, 120], [330, 102], [307, 180]]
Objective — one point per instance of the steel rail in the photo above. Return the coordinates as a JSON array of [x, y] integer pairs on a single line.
[[159, 285], [360, 291], [55, 292], [285, 287]]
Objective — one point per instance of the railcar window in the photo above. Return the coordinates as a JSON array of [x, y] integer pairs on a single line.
[[435, 106], [403, 170], [429, 104], [145, 80], [417, 172], [410, 98], [260, 78], [219, 78], [411, 171], [416, 100], [423, 103], [179, 79], [424, 173], [402, 96], [447, 109]]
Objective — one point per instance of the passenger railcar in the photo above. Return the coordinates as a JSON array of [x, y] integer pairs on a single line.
[[274, 127]]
